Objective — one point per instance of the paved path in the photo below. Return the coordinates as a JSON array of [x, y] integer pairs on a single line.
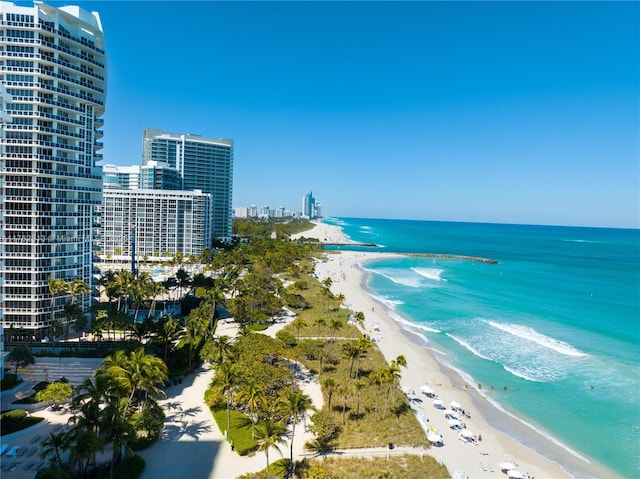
[[192, 446]]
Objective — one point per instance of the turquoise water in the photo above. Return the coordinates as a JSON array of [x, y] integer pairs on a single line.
[[556, 321]]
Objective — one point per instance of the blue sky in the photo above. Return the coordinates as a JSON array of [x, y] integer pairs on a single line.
[[507, 112]]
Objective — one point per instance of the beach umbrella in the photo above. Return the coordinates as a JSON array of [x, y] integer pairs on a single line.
[[434, 438], [507, 466], [515, 474], [455, 405]]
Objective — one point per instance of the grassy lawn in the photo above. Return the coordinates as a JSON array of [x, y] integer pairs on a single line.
[[394, 467], [16, 420], [240, 432]]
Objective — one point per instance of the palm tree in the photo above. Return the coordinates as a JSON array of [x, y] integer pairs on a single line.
[[71, 311], [85, 446], [326, 293], [226, 379], [335, 325], [363, 344], [340, 298], [253, 395], [396, 364], [218, 350], [56, 287], [378, 378], [54, 445], [124, 283], [320, 322], [330, 385], [344, 392], [270, 435], [108, 282], [88, 401], [360, 319], [294, 404], [138, 371], [351, 352], [193, 334], [183, 280], [358, 386], [153, 291], [78, 288], [119, 430], [168, 332], [389, 378], [298, 323]]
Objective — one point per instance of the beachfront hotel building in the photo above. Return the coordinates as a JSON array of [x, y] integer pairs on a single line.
[[152, 225], [53, 70], [203, 163]]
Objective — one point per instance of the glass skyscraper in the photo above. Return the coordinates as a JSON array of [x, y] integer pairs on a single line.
[[204, 164]]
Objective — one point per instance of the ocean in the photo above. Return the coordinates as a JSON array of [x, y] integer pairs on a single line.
[[551, 333]]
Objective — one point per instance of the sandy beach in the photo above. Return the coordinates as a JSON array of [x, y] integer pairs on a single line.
[[481, 458]]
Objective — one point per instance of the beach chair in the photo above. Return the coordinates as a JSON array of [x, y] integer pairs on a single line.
[[13, 451], [3, 448]]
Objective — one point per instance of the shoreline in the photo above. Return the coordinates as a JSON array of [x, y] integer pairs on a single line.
[[505, 434]]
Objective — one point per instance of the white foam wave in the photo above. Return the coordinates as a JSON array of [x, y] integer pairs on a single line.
[[467, 346], [580, 241], [411, 281], [434, 274], [519, 374], [423, 327], [530, 334], [390, 303]]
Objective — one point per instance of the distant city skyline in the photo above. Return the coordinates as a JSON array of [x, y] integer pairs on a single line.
[[310, 209], [504, 112]]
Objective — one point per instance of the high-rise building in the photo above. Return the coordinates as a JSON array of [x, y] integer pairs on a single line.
[[115, 176], [153, 224], [159, 176], [308, 206], [53, 67], [204, 164]]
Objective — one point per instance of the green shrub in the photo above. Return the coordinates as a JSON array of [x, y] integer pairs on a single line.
[[287, 338], [256, 327], [14, 414], [16, 420], [10, 381], [130, 467], [52, 473], [149, 422]]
